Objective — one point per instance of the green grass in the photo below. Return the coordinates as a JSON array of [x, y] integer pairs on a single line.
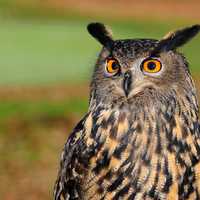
[[48, 52], [29, 110], [35, 53]]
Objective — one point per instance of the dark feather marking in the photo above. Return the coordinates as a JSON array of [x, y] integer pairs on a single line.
[[168, 176], [102, 162], [186, 187], [116, 183], [113, 132], [122, 192], [152, 192], [119, 150], [132, 195], [158, 145]]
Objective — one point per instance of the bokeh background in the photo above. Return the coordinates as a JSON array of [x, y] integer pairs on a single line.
[[46, 60]]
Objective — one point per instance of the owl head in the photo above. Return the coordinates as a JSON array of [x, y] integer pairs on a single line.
[[143, 70]]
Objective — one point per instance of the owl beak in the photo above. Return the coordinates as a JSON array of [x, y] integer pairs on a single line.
[[127, 82]]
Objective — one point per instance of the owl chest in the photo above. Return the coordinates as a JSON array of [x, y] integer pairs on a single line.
[[129, 162]]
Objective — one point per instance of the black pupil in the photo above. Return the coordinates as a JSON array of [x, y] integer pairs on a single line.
[[151, 65], [114, 65]]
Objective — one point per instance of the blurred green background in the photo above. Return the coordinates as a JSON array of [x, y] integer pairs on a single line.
[[46, 60]]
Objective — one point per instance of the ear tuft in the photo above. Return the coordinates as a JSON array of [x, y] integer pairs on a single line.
[[101, 33], [176, 39]]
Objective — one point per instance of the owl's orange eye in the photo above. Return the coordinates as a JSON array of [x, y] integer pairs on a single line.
[[151, 65], [112, 66]]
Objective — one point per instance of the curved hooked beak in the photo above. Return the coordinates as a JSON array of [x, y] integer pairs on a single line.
[[127, 82]]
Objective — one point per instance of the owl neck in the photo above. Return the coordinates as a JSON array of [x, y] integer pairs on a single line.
[[155, 141], [166, 127]]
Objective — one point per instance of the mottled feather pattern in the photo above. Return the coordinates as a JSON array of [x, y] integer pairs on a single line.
[[147, 156], [138, 144], [144, 155]]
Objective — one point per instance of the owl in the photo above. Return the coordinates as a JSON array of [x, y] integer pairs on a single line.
[[140, 138]]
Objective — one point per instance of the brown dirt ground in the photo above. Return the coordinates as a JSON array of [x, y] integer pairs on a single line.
[[155, 9], [30, 154], [50, 93], [30, 150], [23, 177]]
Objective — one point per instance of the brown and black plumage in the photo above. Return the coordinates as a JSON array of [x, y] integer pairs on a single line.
[[140, 139]]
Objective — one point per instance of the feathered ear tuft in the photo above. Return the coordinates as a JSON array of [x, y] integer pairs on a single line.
[[176, 39], [101, 33]]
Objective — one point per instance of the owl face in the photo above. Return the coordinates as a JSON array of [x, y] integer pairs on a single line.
[[142, 69]]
